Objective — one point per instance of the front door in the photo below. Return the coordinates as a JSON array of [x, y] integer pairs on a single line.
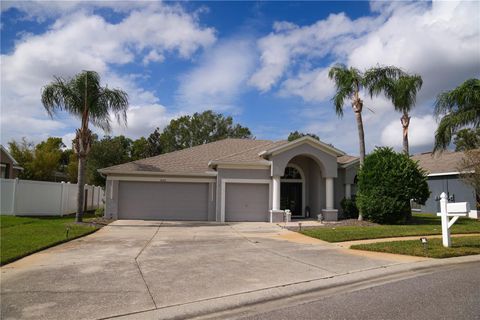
[[291, 197]]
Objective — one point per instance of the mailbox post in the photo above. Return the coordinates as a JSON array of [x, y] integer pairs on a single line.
[[446, 241], [454, 210]]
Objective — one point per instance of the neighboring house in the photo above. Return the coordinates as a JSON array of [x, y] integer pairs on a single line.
[[9, 166], [233, 180], [443, 176]]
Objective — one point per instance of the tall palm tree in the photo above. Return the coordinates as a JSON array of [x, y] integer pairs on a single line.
[[348, 83], [84, 97], [400, 87], [460, 107]]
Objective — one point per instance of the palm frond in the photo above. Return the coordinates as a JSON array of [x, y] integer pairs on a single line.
[[84, 92], [465, 96], [345, 83], [382, 79]]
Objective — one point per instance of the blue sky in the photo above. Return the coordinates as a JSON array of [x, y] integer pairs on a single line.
[[264, 63]]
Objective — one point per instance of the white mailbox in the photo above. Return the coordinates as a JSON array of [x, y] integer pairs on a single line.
[[458, 209], [454, 210]]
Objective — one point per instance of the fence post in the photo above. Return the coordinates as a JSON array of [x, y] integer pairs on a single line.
[[446, 241], [15, 191], [62, 200]]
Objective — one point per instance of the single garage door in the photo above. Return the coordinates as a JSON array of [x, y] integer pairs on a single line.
[[246, 202], [163, 200]]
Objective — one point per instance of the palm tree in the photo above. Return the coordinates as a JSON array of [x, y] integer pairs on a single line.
[[400, 87], [84, 97], [460, 108], [348, 83]]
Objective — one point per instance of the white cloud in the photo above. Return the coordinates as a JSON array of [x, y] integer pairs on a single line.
[[82, 41], [219, 77], [16, 126], [153, 56], [311, 85], [420, 134], [289, 44], [141, 121], [439, 41]]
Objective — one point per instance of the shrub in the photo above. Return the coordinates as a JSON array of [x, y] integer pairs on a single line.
[[387, 182], [100, 212], [349, 207]]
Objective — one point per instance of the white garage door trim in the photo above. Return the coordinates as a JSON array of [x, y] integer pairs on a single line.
[[250, 181], [161, 179]]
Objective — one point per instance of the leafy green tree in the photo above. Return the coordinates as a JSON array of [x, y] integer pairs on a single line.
[[457, 108], [24, 153], [467, 139], [85, 98], [140, 149], [200, 128], [40, 162], [297, 135], [72, 168], [400, 88], [387, 182], [47, 159], [155, 143], [107, 152]]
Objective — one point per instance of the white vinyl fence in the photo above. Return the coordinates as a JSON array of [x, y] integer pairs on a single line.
[[41, 198]]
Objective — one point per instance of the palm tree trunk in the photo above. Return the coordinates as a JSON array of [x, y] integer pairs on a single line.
[[361, 136], [361, 140], [405, 120], [81, 188]]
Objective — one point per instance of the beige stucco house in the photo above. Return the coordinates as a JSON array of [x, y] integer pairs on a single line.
[[233, 180]]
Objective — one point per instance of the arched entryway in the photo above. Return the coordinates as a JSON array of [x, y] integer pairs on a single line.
[[292, 190]]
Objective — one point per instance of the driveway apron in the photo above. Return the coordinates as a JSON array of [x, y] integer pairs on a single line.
[[133, 266]]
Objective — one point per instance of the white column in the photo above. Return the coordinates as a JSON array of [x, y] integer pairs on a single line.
[[276, 193], [329, 193], [348, 191]]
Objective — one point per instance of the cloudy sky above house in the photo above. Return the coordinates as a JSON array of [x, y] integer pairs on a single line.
[[264, 63]]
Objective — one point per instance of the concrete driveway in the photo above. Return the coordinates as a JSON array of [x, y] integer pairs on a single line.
[[130, 267]]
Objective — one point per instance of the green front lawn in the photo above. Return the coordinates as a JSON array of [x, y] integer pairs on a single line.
[[421, 225], [21, 236], [461, 246]]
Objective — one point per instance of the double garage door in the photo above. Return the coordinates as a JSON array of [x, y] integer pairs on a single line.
[[163, 200], [189, 201]]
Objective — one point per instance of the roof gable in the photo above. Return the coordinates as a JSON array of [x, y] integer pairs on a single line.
[[304, 140], [9, 156]]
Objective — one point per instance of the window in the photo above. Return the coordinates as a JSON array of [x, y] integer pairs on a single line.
[[291, 173], [4, 171]]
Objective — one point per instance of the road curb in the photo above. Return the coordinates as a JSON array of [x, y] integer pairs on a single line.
[[210, 307]]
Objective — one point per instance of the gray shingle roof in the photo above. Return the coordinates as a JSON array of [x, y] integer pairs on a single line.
[[196, 160], [446, 161]]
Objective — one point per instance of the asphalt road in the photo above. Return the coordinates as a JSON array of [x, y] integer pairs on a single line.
[[447, 294]]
